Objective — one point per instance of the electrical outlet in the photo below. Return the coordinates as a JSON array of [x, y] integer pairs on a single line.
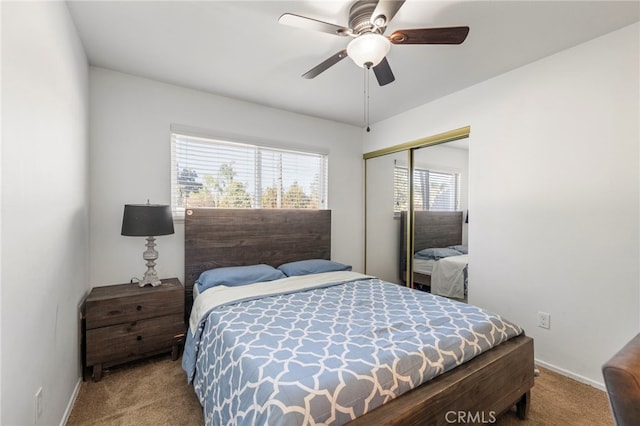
[[38, 404], [544, 320]]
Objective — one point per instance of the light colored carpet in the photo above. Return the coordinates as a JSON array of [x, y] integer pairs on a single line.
[[151, 392], [558, 400], [155, 392]]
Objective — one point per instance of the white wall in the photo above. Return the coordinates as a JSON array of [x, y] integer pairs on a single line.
[[554, 190], [44, 208], [131, 162]]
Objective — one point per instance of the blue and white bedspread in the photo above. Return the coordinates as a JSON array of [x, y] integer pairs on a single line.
[[332, 349]]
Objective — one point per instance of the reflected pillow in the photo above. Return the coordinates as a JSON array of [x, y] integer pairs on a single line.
[[461, 248], [437, 253], [312, 266], [235, 276]]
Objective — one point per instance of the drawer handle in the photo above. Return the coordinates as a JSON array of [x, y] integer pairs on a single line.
[[139, 308], [139, 338]]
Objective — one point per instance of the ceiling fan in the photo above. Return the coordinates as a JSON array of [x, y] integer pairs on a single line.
[[368, 19]]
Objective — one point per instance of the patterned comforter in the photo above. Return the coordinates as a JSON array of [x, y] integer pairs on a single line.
[[328, 351]]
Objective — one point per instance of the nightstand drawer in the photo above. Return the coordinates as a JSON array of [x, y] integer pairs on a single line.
[[144, 303], [133, 339]]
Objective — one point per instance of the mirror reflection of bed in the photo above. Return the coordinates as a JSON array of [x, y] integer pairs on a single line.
[[440, 258], [440, 202]]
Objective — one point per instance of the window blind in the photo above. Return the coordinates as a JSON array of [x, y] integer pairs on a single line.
[[433, 190], [215, 173]]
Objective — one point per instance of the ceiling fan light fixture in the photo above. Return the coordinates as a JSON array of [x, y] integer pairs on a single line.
[[368, 49]]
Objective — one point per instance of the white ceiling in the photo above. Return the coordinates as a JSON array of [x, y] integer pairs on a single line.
[[238, 49]]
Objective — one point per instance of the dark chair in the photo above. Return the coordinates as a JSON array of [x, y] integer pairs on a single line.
[[622, 379]]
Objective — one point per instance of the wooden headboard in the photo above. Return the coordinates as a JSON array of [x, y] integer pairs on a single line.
[[437, 229], [433, 229], [215, 238]]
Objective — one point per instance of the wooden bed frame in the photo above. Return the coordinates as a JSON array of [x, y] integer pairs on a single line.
[[433, 229], [486, 386]]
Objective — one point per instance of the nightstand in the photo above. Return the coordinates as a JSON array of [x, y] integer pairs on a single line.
[[126, 322]]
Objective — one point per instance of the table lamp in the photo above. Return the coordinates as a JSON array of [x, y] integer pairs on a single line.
[[148, 220]]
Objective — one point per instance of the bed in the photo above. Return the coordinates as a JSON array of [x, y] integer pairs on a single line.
[[491, 382], [440, 272]]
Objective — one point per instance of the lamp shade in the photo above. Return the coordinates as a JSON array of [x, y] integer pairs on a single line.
[[147, 220], [368, 49]]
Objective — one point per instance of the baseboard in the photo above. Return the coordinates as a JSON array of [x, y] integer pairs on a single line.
[[571, 375], [72, 401]]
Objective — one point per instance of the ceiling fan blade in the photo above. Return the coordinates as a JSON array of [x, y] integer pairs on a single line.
[[449, 35], [385, 11], [323, 66], [313, 24], [383, 72]]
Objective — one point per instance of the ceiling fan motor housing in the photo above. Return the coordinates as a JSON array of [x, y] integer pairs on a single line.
[[360, 17]]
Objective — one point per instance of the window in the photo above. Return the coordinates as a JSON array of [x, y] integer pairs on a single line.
[[433, 190], [214, 173]]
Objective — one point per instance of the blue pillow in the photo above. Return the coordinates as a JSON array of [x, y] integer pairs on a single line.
[[437, 253], [312, 266], [234, 276], [461, 248]]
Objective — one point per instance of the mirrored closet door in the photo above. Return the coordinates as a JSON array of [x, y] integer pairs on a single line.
[[405, 184], [440, 204], [383, 201]]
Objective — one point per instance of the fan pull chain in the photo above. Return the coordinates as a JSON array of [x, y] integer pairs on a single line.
[[366, 96]]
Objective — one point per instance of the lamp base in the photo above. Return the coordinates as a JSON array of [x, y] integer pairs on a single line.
[[152, 280], [150, 255]]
